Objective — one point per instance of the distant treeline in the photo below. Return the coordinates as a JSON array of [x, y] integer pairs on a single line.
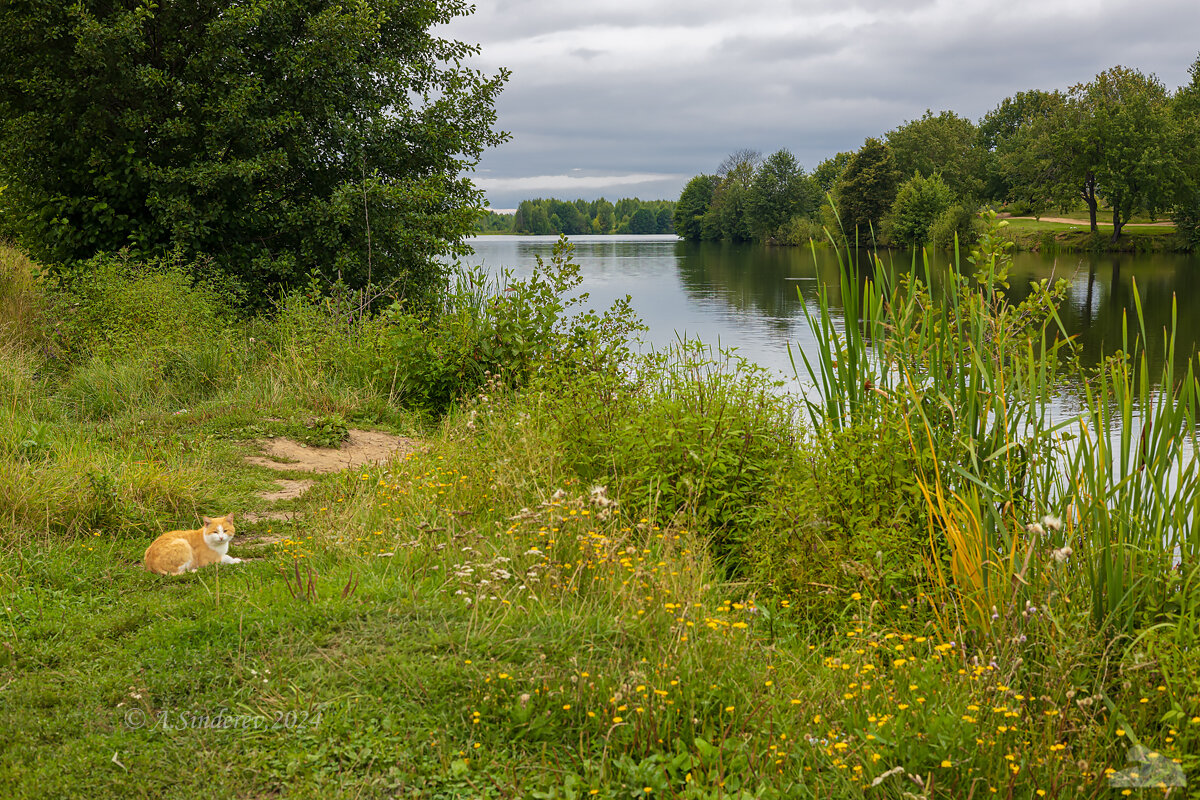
[[1120, 145], [550, 216]]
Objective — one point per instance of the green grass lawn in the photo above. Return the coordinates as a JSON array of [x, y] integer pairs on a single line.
[[439, 626]]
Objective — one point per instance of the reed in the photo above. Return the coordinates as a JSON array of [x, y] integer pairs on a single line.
[[975, 377]]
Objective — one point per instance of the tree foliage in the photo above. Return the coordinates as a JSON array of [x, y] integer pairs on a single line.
[[919, 203], [1127, 122], [1185, 109], [1120, 141], [548, 216], [779, 191], [830, 170], [867, 189], [274, 137], [947, 145], [726, 217], [693, 204]]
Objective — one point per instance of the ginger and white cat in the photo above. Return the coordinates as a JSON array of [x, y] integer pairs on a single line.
[[177, 552]]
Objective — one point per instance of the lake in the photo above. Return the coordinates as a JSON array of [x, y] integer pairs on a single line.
[[745, 296]]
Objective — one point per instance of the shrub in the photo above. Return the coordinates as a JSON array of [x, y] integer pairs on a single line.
[[113, 307], [957, 220], [800, 231], [919, 202], [848, 516], [702, 436], [512, 334]]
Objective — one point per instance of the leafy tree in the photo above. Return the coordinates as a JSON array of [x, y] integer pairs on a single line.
[[571, 220], [1113, 139], [274, 137], [605, 219], [643, 221], [780, 190], [947, 145], [664, 220], [489, 221], [867, 188], [1185, 108], [919, 203], [1004, 133], [693, 205], [830, 170], [1126, 127], [726, 217]]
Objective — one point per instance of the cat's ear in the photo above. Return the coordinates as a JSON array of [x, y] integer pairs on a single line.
[[207, 521], [229, 517]]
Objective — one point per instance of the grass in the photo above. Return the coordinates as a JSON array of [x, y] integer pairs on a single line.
[[478, 619], [1030, 234]]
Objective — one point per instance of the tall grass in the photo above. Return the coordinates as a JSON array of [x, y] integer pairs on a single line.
[[976, 377]]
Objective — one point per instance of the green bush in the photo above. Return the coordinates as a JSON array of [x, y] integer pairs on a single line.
[[700, 436], [848, 516], [919, 203], [114, 307], [512, 334], [957, 220], [275, 139], [800, 231]]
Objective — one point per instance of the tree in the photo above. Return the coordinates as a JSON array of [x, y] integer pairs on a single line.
[[274, 137], [692, 206], [726, 217], [867, 188], [663, 220], [830, 170], [1003, 132], [947, 145], [605, 220], [1124, 127], [780, 190], [1112, 139], [643, 221], [1185, 108], [570, 220], [919, 203]]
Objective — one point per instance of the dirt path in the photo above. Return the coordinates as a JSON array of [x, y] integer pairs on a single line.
[[363, 447], [287, 455], [1084, 223]]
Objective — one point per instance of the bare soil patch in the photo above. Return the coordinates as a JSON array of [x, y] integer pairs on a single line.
[[363, 447], [287, 455]]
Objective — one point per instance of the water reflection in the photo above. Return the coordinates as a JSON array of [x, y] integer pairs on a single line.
[[746, 295]]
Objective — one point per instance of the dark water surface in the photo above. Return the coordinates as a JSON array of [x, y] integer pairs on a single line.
[[745, 296]]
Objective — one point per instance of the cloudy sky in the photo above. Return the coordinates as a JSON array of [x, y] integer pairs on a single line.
[[622, 98]]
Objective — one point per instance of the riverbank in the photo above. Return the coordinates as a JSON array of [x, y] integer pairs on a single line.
[[569, 585], [1067, 235]]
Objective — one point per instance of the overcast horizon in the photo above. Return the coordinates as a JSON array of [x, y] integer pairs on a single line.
[[619, 98]]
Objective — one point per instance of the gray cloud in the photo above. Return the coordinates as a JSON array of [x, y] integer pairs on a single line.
[[633, 87]]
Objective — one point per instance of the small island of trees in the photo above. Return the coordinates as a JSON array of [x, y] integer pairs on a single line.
[[629, 215]]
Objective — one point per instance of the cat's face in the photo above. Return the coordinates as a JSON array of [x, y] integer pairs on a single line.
[[218, 530]]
